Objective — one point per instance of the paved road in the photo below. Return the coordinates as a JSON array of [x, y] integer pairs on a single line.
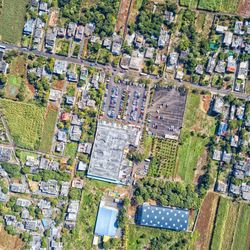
[[114, 71]]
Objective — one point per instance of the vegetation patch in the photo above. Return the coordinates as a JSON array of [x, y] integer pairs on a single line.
[[70, 149], [189, 3], [12, 19], [25, 122]]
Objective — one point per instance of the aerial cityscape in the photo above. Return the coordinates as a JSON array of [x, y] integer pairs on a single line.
[[125, 124]]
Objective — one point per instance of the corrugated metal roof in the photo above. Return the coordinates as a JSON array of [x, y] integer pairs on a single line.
[[163, 217]]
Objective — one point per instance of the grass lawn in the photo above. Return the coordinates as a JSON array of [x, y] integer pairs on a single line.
[[22, 155], [139, 237], [48, 131], [189, 3], [70, 149], [219, 228], [242, 228], [192, 144], [12, 19], [219, 5], [83, 233], [25, 122]]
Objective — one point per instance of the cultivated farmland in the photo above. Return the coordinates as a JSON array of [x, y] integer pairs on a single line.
[[12, 20], [164, 157], [25, 122]]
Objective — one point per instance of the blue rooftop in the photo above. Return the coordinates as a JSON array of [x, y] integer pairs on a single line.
[[106, 224], [222, 128], [163, 217]]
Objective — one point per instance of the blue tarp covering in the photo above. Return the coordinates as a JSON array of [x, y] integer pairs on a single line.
[[106, 224], [163, 217]]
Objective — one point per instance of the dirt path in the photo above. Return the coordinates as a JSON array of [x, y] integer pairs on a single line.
[[122, 15], [205, 220]]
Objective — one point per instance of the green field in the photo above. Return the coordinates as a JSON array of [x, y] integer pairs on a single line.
[[164, 157], [12, 19], [70, 149], [48, 131], [222, 214], [219, 5], [232, 224], [140, 237], [25, 122], [193, 143], [83, 233], [189, 3]]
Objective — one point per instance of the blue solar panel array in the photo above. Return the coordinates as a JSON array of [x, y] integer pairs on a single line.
[[163, 217], [106, 224]]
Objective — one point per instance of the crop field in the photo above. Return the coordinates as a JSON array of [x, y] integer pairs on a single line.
[[196, 123], [229, 6], [164, 157], [83, 233], [48, 131], [25, 122], [12, 19], [189, 3], [231, 225]]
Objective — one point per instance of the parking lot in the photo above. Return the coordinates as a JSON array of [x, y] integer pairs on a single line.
[[166, 112], [124, 102]]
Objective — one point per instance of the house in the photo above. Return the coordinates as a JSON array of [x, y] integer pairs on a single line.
[[150, 53], [65, 188], [3, 67], [31, 161], [61, 32], [70, 100], [129, 39], [71, 216], [29, 26], [221, 187], [75, 133], [17, 188], [60, 147], [65, 116], [25, 214], [50, 187], [50, 38], [72, 76], [231, 64], [218, 105], [162, 217], [77, 183], [61, 136], [169, 16], [222, 129], [243, 70], [220, 67], [54, 165], [44, 163], [221, 29], [82, 166], [217, 155], [3, 197], [240, 112], [54, 95], [199, 69], [211, 65], [60, 67], [76, 120], [237, 42], [116, 47], [125, 61], [179, 75], [31, 225], [232, 112], [136, 62], [163, 38], [79, 33], [89, 29], [23, 202], [228, 37], [107, 42], [234, 141], [10, 220], [238, 28], [139, 41], [43, 8], [84, 148], [71, 29], [5, 154], [239, 174], [173, 59], [235, 190], [84, 73], [95, 79], [226, 157]]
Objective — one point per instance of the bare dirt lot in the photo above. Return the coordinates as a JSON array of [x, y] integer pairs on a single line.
[[244, 8], [205, 220], [53, 18], [8, 242], [122, 15]]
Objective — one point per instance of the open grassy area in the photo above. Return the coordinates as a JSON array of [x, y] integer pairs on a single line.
[[70, 149], [83, 233], [12, 20], [48, 131], [189, 3], [197, 127], [164, 157], [242, 228], [140, 237], [218, 233], [25, 122], [229, 6]]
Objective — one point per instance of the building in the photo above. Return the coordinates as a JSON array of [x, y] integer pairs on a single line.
[[211, 65], [54, 95], [71, 29], [243, 69], [29, 27], [61, 32], [50, 39], [163, 217], [231, 64], [89, 29], [50, 187], [221, 29], [228, 37], [5, 154], [163, 38], [106, 223], [60, 67], [79, 33], [3, 67], [169, 16], [108, 159]]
